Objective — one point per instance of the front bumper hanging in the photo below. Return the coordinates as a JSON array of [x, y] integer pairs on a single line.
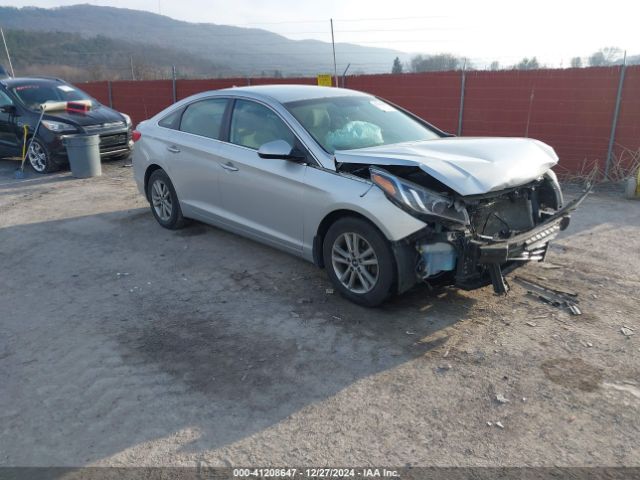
[[527, 246]]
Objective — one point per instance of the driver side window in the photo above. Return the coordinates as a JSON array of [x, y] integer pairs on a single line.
[[253, 125]]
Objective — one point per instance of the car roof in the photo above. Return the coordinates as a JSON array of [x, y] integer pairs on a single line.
[[290, 93], [15, 81]]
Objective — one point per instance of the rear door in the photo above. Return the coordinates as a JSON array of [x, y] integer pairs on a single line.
[[263, 198], [193, 151]]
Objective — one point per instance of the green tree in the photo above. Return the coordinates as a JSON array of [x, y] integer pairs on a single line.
[[528, 64], [397, 66], [597, 59], [436, 63], [576, 62], [495, 65]]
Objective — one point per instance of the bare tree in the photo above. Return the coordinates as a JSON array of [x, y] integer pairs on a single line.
[[605, 56]]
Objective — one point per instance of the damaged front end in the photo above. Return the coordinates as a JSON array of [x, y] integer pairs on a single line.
[[473, 240]]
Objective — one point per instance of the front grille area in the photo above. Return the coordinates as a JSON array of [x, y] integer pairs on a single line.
[[109, 143], [503, 216], [103, 126]]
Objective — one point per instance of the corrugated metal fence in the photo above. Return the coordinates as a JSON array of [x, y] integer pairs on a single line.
[[570, 109]]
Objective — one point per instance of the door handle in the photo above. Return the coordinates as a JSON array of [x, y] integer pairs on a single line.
[[229, 166], [173, 149]]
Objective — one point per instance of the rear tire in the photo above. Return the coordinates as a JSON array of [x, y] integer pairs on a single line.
[[359, 261], [39, 157], [164, 201]]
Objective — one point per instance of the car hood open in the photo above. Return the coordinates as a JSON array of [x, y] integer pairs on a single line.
[[469, 166]]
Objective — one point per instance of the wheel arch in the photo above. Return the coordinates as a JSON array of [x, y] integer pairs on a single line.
[[325, 224], [147, 174]]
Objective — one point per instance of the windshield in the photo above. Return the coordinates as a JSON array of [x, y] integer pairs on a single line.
[[34, 94], [346, 123]]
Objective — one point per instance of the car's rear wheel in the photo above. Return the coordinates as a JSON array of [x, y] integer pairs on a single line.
[[164, 201], [39, 157], [359, 261]]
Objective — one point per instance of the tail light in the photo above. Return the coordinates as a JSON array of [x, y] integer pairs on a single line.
[[136, 135]]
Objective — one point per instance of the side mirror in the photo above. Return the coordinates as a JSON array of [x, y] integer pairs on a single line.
[[280, 150], [10, 109]]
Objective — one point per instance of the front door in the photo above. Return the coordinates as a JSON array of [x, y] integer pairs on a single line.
[[263, 198], [8, 136]]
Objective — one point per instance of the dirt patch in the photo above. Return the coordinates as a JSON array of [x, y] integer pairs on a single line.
[[127, 344], [573, 373]]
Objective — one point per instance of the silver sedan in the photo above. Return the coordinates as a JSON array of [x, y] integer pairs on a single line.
[[375, 195]]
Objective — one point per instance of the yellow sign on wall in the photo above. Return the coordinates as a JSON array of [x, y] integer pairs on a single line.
[[325, 80]]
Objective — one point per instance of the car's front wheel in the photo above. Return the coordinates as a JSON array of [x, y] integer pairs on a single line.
[[40, 158], [164, 201], [359, 261]]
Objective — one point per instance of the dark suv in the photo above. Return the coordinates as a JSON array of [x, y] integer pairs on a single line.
[[20, 100]]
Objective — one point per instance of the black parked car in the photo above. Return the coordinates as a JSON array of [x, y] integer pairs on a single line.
[[20, 100]]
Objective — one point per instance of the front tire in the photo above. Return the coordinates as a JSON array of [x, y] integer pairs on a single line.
[[359, 261], [164, 201], [39, 157]]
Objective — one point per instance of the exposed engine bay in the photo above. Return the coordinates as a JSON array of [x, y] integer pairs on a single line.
[[473, 240]]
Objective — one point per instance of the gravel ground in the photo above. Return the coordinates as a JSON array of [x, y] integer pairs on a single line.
[[126, 344]]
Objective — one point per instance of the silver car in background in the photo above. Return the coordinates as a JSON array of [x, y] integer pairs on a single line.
[[377, 196]]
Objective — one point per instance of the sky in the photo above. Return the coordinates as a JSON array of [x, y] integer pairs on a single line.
[[484, 30]]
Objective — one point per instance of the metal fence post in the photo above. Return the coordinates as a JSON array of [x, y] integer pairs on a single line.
[[531, 98], [110, 93], [616, 113], [462, 88], [174, 89]]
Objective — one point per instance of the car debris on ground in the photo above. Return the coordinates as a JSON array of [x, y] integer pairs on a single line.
[[627, 331], [551, 296], [501, 398]]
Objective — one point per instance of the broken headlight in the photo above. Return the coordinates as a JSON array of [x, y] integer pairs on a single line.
[[418, 199]]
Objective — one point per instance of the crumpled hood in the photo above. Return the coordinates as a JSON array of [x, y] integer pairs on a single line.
[[469, 166]]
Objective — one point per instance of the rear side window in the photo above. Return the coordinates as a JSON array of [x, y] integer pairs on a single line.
[[204, 118], [172, 120]]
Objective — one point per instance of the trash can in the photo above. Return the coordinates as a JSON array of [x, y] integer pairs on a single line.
[[83, 152]]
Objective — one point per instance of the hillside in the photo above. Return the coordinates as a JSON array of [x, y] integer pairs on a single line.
[[77, 58], [245, 51]]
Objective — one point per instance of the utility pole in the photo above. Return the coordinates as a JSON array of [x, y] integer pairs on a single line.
[[463, 82], [333, 45], [6, 49]]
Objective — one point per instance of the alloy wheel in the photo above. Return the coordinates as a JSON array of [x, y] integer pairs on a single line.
[[161, 200], [37, 157], [355, 263]]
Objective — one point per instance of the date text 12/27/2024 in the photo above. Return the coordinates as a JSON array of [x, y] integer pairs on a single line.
[[314, 473]]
